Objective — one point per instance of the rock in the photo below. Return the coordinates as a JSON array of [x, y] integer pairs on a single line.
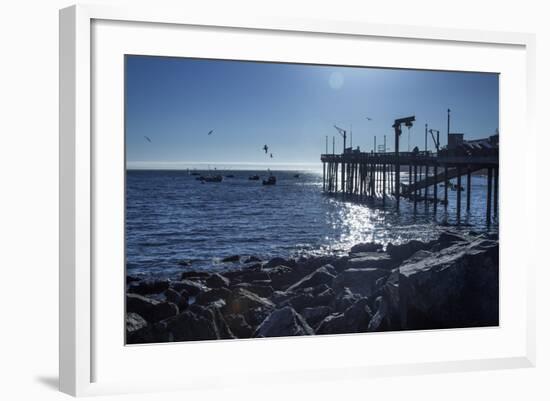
[[315, 314], [377, 260], [344, 300], [131, 279], [283, 322], [359, 281], [238, 325], [216, 280], [406, 250], [253, 307], [456, 287], [184, 262], [319, 276], [282, 276], [194, 275], [137, 329], [213, 313], [232, 258], [279, 297], [172, 295], [191, 326], [263, 290], [150, 286], [311, 299], [149, 309], [251, 259], [366, 247], [193, 288], [213, 295], [355, 319], [254, 275], [277, 262]]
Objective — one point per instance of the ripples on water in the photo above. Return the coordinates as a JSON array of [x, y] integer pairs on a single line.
[[170, 217]]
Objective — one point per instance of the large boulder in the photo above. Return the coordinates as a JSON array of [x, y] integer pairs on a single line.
[[150, 309], [207, 297], [263, 290], [150, 286], [239, 326], [344, 300], [360, 280], [194, 275], [406, 250], [366, 247], [370, 260], [193, 288], [137, 329], [283, 322], [318, 277], [315, 314], [232, 258], [278, 262], [456, 287], [253, 307], [216, 280], [355, 319], [191, 326]]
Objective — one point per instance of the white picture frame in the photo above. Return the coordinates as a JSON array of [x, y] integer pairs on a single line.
[[81, 347]]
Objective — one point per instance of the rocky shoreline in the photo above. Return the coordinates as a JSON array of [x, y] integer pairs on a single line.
[[449, 282]]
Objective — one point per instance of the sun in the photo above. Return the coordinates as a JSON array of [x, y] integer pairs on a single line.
[[336, 80]]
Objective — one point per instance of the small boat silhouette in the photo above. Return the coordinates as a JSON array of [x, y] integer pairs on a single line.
[[254, 177], [272, 180]]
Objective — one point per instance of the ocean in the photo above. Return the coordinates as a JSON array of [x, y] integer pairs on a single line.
[[172, 218]]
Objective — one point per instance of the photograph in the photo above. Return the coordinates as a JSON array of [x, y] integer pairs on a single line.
[[274, 199]]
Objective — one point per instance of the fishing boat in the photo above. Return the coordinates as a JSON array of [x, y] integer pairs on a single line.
[[296, 175], [272, 180], [212, 178], [254, 177]]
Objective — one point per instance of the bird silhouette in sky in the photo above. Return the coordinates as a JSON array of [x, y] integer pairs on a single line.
[[265, 148], [368, 118], [271, 155], [148, 139], [210, 132]]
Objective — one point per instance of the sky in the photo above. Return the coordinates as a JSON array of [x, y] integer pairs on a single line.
[[291, 108]]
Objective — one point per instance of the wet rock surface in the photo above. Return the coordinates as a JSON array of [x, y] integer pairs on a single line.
[[450, 282]]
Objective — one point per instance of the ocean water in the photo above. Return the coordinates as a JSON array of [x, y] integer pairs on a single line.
[[172, 217]]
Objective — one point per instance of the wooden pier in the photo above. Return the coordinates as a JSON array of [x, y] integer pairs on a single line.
[[371, 175]]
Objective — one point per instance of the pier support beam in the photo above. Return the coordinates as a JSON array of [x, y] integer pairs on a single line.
[[489, 192], [495, 198], [446, 182], [458, 194], [468, 189], [435, 188]]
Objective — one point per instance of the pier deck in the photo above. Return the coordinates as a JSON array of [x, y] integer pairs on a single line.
[[376, 175]]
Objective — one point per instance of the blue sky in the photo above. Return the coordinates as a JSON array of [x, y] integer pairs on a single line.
[[290, 107]]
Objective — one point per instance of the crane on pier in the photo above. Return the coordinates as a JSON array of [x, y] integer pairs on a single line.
[[436, 142], [343, 133], [407, 122]]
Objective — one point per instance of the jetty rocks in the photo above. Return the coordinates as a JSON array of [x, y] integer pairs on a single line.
[[450, 282]]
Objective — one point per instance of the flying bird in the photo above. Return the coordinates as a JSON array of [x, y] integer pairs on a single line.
[[368, 118], [271, 155], [210, 132], [265, 148], [148, 139]]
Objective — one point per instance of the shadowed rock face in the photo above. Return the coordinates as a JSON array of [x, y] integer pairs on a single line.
[[283, 322], [447, 283]]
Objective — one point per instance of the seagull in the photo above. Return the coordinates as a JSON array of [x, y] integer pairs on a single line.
[[271, 155], [265, 148], [368, 118], [210, 132], [149, 139]]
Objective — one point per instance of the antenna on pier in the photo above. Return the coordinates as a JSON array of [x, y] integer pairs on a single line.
[[326, 144], [448, 125], [333, 142], [350, 136], [375, 144]]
